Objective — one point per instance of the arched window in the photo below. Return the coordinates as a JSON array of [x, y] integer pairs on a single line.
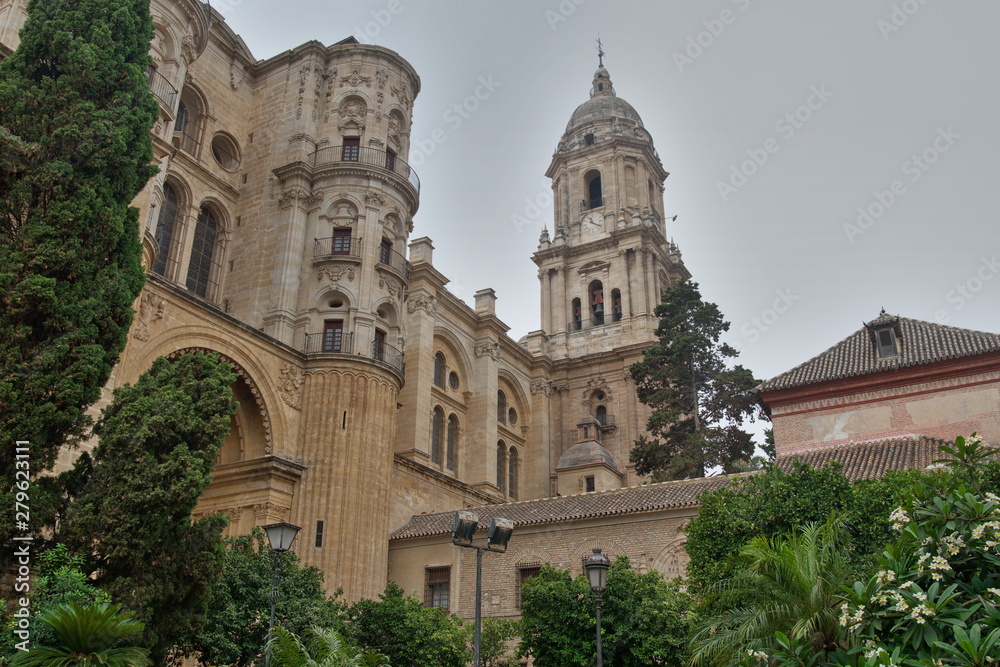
[[595, 297], [577, 314], [439, 370], [592, 190], [501, 407], [165, 228], [502, 467], [437, 434], [452, 455], [512, 461], [602, 415], [616, 305], [202, 252]]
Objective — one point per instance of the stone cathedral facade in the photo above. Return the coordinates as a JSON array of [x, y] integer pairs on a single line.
[[280, 235]]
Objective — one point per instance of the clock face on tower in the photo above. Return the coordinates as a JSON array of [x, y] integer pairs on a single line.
[[593, 223]]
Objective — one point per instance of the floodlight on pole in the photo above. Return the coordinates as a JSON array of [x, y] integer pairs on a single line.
[[279, 537], [463, 529]]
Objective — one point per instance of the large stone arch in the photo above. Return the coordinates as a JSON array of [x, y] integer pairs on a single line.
[[251, 386]]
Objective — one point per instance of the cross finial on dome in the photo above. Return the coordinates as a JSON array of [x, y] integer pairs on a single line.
[[600, 51]]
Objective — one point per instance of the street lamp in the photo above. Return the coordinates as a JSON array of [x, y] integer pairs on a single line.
[[280, 537], [462, 532], [597, 571]]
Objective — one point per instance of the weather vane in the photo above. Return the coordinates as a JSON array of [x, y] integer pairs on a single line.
[[600, 51]]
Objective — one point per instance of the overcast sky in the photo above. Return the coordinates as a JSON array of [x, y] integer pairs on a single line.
[[776, 120]]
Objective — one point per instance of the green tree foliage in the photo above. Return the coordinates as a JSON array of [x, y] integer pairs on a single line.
[[789, 584], [775, 502], [235, 628], [699, 405], [645, 619], [494, 649], [158, 440], [407, 632], [87, 636], [321, 648], [936, 598], [75, 149]]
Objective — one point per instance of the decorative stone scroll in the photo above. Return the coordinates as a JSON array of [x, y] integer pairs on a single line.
[[290, 385], [488, 349]]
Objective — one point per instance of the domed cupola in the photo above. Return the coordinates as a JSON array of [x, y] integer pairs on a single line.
[[603, 116]]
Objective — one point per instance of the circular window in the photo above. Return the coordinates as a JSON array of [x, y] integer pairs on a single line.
[[600, 396], [336, 304], [380, 313], [512, 416], [453, 380], [226, 152]]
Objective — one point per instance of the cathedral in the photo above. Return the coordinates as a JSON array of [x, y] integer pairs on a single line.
[[279, 234]]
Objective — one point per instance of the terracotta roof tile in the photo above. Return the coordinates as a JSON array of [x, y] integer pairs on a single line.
[[646, 498], [919, 343], [873, 458]]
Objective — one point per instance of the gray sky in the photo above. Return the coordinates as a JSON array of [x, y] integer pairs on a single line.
[[777, 121]]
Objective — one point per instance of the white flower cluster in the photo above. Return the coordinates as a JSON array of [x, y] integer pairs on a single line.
[[851, 620], [758, 655], [937, 467], [900, 518], [886, 576], [952, 543], [874, 650]]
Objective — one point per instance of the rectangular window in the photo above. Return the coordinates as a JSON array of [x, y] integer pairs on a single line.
[[378, 346], [526, 573], [390, 160], [385, 252], [319, 534], [590, 483], [341, 242], [437, 590], [333, 335], [351, 149]]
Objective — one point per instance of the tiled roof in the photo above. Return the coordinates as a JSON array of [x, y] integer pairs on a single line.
[[871, 459], [646, 498], [919, 343], [859, 460]]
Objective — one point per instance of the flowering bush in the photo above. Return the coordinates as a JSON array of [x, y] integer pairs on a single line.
[[935, 599]]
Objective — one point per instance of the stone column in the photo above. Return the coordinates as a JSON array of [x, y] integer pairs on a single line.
[[294, 203], [546, 287]]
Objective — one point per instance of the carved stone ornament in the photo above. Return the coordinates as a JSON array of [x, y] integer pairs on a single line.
[[400, 93], [541, 387], [428, 304], [595, 385], [391, 286], [355, 78], [352, 108], [151, 307], [292, 195], [335, 273], [189, 52], [488, 349], [270, 511], [373, 198], [381, 76], [290, 385]]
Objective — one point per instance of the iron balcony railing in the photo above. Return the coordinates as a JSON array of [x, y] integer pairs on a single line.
[[329, 342], [337, 342], [606, 420], [588, 204], [387, 354], [372, 157], [394, 261], [337, 246], [162, 90]]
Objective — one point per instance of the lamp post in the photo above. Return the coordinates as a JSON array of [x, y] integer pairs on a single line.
[[597, 571], [462, 532], [280, 537]]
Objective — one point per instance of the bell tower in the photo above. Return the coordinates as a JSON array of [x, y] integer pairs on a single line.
[[602, 272]]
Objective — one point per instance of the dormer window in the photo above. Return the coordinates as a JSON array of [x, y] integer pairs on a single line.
[[885, 339], [588, 139]]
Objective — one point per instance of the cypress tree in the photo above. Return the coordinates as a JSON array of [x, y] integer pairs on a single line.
[[157, 443], [75, 149]]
